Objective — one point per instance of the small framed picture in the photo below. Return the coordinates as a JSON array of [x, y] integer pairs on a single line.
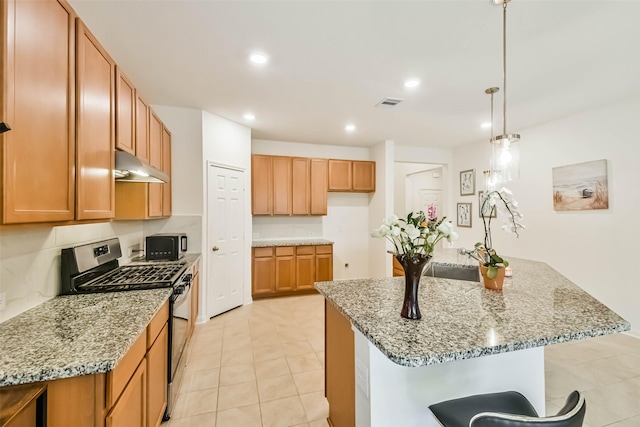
[[468, 182], [493, 211], [464, 214]]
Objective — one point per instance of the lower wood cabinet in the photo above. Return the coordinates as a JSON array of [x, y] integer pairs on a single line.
[[285, 270], [157, 365], [129, 410]]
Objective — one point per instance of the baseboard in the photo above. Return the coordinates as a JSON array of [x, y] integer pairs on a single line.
[[634, 333]]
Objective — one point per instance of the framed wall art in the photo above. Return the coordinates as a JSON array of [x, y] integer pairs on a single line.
[[468, 182], [464, 214], [583, 186], [493, 211]]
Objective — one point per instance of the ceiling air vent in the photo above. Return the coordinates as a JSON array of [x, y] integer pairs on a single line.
[[389, 102]]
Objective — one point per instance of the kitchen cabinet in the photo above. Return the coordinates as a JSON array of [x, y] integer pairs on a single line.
[[281, 185], [352, 175], [319, 186], [286, 270], [166, 168], [261, 185], [23, 405], [285, 263], [157, 365], [37, 100], [301, 185], [264, 271], [95, 128], [129, 411], [125, 113], [195, 299], [142, 128]]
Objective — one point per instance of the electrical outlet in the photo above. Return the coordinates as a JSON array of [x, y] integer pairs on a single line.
[[311, 234], [362, 377], [3, 300], [255, 235]]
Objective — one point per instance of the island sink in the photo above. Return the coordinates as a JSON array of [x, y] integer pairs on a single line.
[[453, 271]]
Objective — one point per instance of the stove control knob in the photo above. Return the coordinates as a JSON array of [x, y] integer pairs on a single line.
[[215, 249], [179, 290]]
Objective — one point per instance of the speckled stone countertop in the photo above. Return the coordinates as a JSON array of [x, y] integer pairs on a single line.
[[462, 320], [74, 335], [289, 242]]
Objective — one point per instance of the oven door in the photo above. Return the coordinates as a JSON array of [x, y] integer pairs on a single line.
[[180, 319]]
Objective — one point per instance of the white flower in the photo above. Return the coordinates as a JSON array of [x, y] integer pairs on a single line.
[[395, 231], [452, 237], [445, 228], [390, 221], [412, 232]]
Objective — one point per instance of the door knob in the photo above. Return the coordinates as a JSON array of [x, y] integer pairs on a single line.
[[215, 248]]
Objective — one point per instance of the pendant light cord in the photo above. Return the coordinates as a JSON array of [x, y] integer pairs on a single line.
[[504, 67]]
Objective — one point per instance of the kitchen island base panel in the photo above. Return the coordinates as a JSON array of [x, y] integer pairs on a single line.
[[400, 395]]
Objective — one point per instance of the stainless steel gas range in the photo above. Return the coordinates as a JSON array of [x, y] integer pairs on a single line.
[[94, 267]]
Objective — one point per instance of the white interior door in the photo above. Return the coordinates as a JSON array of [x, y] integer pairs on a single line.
[[429, 197], [225, 239]]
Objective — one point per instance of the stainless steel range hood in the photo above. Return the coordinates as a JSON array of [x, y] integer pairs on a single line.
[[131, 169]]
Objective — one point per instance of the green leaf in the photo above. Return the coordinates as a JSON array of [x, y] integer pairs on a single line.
[[492, 272], [506, 263]]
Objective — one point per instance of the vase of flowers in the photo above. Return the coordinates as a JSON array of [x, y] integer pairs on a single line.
[[492, 266], [414, 240]]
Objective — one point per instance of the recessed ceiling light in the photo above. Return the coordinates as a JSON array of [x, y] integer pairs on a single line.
[[258, 58], [350, 127], [249, 116], [412, 83], [485, 125]]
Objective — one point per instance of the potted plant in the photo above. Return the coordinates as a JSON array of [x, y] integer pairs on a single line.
[[492, 266], [414, 240]]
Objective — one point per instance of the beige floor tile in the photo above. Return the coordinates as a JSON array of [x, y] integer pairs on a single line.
[[234, 396], [301, 425], [304, 363], [629, 422], [196, 403], [271, 368], [208, 420], [200, 380], [267, 352], [244, 416], [297, 348], [315, 405], [201, 361], [237, 357], [236, 343], [308, 382], [283, 412], [266, 339], [237, 374], [318, 343], [319, 423], [276, 388]]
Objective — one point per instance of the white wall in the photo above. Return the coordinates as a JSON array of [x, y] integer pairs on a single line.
[[381, 206], [30, 258], [401, 171], [343, 224], [594, 249]]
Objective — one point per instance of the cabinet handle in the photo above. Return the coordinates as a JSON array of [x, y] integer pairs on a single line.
[[215, 248]]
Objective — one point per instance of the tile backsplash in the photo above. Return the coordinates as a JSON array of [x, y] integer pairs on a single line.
[[30, 257], [273, 227]]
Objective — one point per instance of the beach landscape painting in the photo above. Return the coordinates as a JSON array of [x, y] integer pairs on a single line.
[[582, 186]]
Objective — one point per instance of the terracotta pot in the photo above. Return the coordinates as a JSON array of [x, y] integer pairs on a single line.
[[497, 282]]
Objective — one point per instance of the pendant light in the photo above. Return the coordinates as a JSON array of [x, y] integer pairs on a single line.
[[491, 177], [504, 153]]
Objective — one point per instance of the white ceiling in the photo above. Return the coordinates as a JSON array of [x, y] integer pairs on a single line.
[[332, 61]]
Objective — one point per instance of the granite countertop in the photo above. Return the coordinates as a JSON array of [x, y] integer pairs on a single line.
[[462, 320], [267, 243]]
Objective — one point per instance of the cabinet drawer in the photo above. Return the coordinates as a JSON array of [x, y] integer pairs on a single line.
[[157, 323], [305, 250], [119, 377], [284, 251], [262, 252], [324, 249]]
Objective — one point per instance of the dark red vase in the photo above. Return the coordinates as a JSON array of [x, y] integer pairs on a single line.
[[413, 268]]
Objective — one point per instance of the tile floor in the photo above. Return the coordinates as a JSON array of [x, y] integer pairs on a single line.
[[262, 365]]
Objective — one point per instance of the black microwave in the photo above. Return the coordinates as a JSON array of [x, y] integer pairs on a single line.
[[166, 246]]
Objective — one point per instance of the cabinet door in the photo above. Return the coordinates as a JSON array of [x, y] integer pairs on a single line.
[[282, 185], [155, 140], [319, 184], [95, 127], [324, 263], [157, 378], [261, 185], [264, 271], [142, 129], [125, 113], [305, 267], [364, 176], [301, 186], [195, 300], [285, 269], [129, 410], [339, 175], [166, 168], [155, 200], [37, 102]]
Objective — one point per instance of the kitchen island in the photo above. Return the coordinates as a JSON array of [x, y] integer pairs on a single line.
[[469, 340]]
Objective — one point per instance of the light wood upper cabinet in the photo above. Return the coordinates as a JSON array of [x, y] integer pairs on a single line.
[[261, 185], [364, 176], [352, 175], [155, 140], [125, 113], [95, 128], [166, 168], [339, 175], [37, 101], [142, 128], [301, 186], [282, 185], [319, 186]]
